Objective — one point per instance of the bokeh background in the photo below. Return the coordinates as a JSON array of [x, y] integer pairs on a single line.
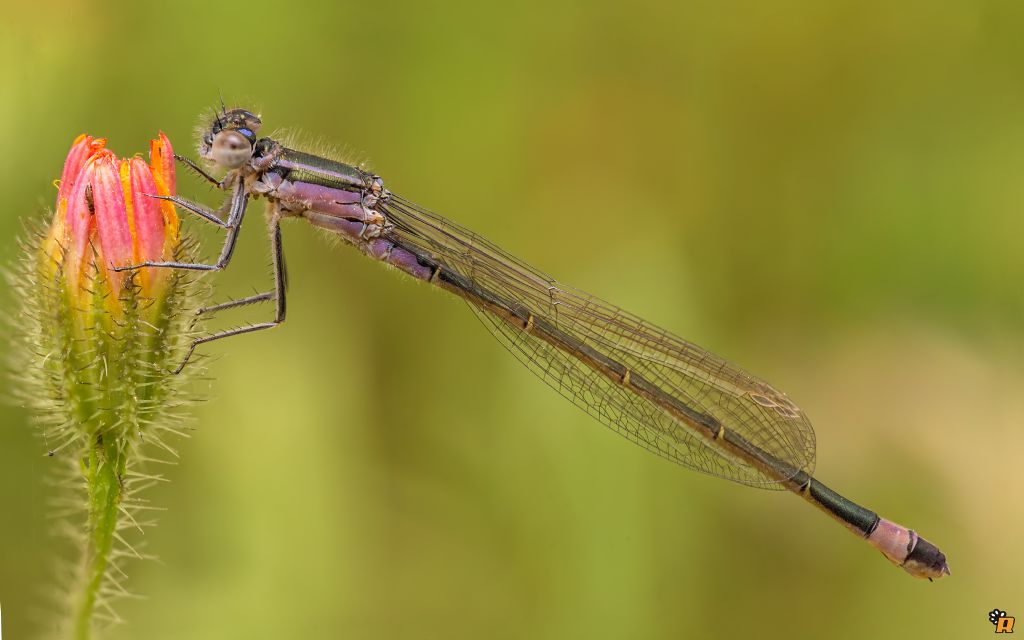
[[828, 193]]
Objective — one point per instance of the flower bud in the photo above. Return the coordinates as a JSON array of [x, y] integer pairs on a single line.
[[97, 345]]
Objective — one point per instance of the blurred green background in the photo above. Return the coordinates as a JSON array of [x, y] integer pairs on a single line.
[[828, 193]]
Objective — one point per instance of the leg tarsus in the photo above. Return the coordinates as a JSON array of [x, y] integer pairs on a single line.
[[200, 171], [241, 302], [222, 334], [191, 266]]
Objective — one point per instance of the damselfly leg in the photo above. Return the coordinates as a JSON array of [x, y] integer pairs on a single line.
[[278, 295], [236, 207], [239, 202], [207, 214], [240, 302], [199, 171]]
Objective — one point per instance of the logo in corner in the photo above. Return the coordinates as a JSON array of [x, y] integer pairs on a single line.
[[1002, 622]]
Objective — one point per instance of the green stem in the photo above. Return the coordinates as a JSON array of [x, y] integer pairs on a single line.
[[96, 365], [102, 469]]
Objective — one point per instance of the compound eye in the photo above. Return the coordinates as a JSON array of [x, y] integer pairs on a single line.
[[231, 149]]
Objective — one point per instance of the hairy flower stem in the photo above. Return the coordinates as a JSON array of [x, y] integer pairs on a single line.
[[95, 348], [103, 470], [96, 370]]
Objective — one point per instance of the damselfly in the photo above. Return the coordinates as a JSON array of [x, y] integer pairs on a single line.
[[657, 390]]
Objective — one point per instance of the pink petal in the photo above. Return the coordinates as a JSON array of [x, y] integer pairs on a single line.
[[84, 147], [146, 214], [79, 221], [112, 227]]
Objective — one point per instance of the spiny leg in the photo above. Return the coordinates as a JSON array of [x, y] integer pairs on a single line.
[[278, 294], [203, 212], [202, 172], [241, 302]]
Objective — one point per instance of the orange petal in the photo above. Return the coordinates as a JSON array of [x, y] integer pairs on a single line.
[[161, 157], [124, 174]]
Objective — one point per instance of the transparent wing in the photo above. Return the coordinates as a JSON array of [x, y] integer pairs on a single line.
[[740, 401]]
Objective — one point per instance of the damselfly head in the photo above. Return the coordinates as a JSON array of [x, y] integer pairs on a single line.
[[229, 140]]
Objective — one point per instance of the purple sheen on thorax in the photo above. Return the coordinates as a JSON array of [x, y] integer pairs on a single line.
[[318, 193], [351, 229], [337, 202], [268, 183]]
